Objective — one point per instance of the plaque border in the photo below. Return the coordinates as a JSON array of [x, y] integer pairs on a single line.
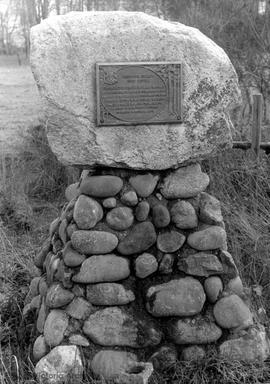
[[138, 63]]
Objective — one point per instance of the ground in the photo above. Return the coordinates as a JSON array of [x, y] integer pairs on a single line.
[[20, 105]]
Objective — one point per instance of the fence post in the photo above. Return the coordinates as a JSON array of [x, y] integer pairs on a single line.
[[257, 123]]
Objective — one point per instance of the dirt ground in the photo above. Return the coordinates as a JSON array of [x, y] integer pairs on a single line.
[[20, 105]]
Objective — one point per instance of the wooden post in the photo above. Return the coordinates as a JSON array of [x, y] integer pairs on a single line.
[[257, 123]]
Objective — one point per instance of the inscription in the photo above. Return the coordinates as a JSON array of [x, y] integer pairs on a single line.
[[137, 93]]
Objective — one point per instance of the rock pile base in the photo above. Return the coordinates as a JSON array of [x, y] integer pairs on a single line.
[[135, 275]]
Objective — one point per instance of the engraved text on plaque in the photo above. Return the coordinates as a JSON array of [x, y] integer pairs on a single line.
[[138, 93]]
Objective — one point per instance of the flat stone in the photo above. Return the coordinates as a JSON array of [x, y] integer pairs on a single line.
[[106, 268], [71, 257], [101, 186], [210, 209], [169, 242], [42, 315], [182, 297], [40, 348], [55, 327], [193, 353], [166, 264], [62, 231], [114, 327], [79, 308], [61, 363], [229, 267], [183, 215], [164, 358], [94, 242], [109, 294], [109, 203], [145, 265], [139, 239], [144, 185], [67, 85], [142, 211], [213, 287], [40, 257], [194, 331], [120, 218], [232, 312], [213, 237], [185, 182], [161, 216], [58, 296], [200, 264], [72, 191], [250, 348], [78, 339], [130, 198], [54, 226], [87, 212]]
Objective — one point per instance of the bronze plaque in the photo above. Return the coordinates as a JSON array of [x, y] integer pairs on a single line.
[[139, 93]]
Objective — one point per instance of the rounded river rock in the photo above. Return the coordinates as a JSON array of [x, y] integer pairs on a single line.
[[182, 297]]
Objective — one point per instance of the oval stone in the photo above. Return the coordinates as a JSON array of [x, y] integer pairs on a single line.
[[145, 265], [120, 218], [142, 211], [40, 348], [194, 331], [161, 216], [207, 239], [213, 287], [183, 297], [72, 191], [58, 297], [97, 269], [184, 215], [101, 186], [109, 294], [144, 185], [139, 239], [170, 242], [71, 257], [87, 212], [232, 312], [94, 242], [109, 203], [55, 327]]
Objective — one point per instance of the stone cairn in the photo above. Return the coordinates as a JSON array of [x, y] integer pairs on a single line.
[[135, 273], [137, 266]]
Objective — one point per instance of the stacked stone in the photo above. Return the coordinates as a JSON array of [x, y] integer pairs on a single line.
[[137, 268]]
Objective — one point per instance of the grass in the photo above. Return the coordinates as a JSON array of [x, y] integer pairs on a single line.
[[20, 105]]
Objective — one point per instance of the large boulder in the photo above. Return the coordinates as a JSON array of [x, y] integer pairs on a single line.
[[64, 51]]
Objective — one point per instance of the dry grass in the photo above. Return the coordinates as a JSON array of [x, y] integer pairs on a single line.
[[20, 105]]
